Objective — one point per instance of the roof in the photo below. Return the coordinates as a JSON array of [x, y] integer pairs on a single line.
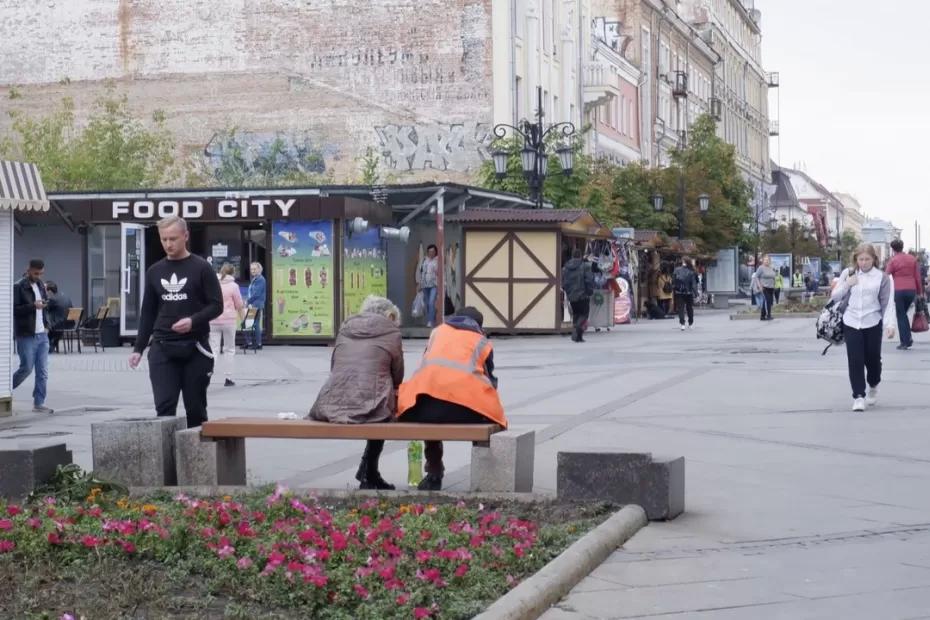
[[21, 187], [521, 216]]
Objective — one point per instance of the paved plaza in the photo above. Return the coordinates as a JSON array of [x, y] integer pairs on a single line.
[[796, 506]]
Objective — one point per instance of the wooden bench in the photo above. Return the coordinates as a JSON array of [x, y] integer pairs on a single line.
[[214, 454]]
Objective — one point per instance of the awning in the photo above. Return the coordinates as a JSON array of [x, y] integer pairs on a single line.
[[21, 187]]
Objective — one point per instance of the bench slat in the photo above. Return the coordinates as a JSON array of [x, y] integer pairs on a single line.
[[311, 429]]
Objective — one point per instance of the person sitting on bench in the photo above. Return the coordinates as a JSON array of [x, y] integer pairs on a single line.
[[367, 367], [455, 384]]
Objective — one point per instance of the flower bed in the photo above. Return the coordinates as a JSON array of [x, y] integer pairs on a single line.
[[270, 555]]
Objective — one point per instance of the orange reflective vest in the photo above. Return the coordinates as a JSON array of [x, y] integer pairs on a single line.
[[453, 370]]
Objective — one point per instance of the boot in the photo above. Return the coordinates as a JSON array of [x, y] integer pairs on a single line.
[[375, 482], [432, 482]]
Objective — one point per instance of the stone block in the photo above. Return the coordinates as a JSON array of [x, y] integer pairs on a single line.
[[721, 301], [136, 452], [204, 462], [506, 464], [25, 468], [658, 485]]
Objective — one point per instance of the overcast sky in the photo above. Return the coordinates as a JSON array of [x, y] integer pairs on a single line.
[[855, 100]]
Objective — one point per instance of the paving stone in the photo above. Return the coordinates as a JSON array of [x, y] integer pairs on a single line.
[[136, 451]]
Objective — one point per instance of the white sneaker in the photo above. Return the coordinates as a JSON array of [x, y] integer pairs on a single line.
[[859, 404], [691, 326], [682, 328], [871, 397]]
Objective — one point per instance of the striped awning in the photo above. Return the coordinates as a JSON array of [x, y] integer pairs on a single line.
[[21, 187]]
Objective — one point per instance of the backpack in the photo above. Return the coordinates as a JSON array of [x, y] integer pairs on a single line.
[[667, 288]]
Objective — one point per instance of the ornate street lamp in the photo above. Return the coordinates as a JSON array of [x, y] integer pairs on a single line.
[[533, 156], [658, 202], [704, 202]]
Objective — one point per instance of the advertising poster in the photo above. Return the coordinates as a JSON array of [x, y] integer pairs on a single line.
[[302, 283], [364, 270], [781, 263]]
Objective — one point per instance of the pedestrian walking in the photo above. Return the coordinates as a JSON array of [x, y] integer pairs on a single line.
[[905, 273], [58, 306], [257, 298], [182, 295], [30, 328], [765, 277], [427, 279], [578, 284], [685, 282], [868, 294], [223, 327]]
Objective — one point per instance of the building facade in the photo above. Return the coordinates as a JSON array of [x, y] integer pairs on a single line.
[[855, 218], [419, 84], [880, 233]]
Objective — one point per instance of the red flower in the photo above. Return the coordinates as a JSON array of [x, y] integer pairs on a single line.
[[6, 546], [476, 541], [54, 538], [127, 546], [361, 591], [423, 556], [91, 541], [461, 570], [13, 510], [6, 524], [34, 522], [402, 598], [422, 612], [339, 540]]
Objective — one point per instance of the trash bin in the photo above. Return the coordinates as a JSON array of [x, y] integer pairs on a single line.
[[109, 332]]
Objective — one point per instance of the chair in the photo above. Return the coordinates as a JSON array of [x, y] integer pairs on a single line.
[[246, 326], [91, 328], [69, 329]]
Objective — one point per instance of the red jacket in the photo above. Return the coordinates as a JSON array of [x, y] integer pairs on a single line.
[[905, 271]]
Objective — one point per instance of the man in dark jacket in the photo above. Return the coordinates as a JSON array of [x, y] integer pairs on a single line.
[[685, 285], [58, 306], [31, 326], [578, 284]]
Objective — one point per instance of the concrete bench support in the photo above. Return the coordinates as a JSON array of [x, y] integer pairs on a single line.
[[136, 451], [205, 462], [506, 464], [25, 468], [658, 485]]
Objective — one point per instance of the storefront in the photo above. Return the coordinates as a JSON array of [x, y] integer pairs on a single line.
[[317, 269], [21, 191]]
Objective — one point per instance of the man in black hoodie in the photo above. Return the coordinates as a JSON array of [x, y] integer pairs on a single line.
[[578, 284], [182, 295]]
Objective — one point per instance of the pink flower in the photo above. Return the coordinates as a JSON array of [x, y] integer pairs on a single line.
[[422, 612], [423, 556], [461, 570], [127, 546], [91, 541], [6, 524], [54, 538], [66, 616], [339, 540], [13, 510], [6, 546], [34, 522], [361, 591], [244, 563], [225, 551], [402, 598]]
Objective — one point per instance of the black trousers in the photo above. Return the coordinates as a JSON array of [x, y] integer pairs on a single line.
[[864, 354], [172, 378], [902, 303], [370, 459], [685, 303], [580, 311], [768, 295], [430, 410], [777, 295]]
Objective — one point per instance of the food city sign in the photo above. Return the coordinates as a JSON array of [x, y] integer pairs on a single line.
[[227, 209]]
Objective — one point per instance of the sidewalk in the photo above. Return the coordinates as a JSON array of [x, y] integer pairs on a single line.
[[796, 507]]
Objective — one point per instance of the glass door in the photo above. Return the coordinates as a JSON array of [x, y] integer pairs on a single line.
[[132, 277]]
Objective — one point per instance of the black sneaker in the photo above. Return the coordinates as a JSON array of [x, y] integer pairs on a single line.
[[228, 383], [432, 482], [376, 483]]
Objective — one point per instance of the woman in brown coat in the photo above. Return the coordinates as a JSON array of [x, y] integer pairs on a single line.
[[367, 368]]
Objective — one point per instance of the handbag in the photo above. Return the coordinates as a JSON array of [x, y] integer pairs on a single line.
[[920, 323], [419, 306]]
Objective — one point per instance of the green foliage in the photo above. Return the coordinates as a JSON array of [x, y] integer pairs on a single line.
[[112, 150], [369, 165], [70, 483], [793, 238], [623, 195]]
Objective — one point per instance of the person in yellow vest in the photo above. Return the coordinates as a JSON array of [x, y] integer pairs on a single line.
[[798, 280], [454, 384]]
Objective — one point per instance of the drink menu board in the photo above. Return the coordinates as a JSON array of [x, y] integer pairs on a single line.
[[364, 270], [302, 282]]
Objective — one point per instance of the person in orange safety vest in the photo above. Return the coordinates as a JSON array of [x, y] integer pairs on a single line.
[[455, 384]]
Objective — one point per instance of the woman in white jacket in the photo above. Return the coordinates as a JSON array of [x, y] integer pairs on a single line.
[[223, 327], [868, 294]]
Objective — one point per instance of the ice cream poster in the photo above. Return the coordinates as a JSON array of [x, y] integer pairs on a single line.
[[302, 279], [364, 270]]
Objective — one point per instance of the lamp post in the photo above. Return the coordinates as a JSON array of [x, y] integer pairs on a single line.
[[658, 203], [533, 156]]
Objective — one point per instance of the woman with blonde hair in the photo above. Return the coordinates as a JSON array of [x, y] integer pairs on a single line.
[[223, 327], [868, 295]]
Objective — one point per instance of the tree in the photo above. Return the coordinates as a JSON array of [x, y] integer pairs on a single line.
[[793, 238], [113, 150]]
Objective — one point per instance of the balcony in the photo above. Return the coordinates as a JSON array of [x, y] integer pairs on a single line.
[[772, 79], [680, 85], [599, 84], [773, 128]]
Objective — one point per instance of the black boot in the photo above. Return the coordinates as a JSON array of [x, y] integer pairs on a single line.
[[375, 482], [432, 482]]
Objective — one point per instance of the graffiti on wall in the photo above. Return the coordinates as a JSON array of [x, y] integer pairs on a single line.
[[458, 147], [236, 156]]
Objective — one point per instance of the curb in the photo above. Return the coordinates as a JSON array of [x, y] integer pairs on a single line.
[[787, 315], [533, 597]]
